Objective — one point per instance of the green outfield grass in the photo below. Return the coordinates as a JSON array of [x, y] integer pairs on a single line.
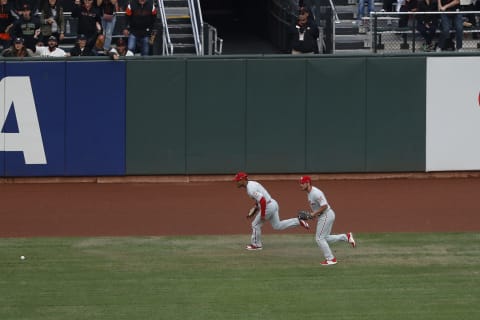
[[388, 276]]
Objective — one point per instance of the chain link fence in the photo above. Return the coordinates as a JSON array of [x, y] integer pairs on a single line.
[[405, 32]]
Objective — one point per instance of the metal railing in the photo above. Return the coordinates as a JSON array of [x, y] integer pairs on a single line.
[[197, 25], [386, 35], [167, 47], [215, 45]]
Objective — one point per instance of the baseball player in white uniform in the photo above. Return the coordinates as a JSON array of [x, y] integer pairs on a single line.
[[268, 210], [326, 217]]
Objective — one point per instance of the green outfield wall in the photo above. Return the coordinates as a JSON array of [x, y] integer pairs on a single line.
[[275, 115]]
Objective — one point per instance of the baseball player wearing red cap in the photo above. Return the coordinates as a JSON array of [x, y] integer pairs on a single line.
[[268, 210], [326, 218]]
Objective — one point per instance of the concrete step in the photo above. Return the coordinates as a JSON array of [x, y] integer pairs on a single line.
[[182, 48], [179, 12], [355, 41]]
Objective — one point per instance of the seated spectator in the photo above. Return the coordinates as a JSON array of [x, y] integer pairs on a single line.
[[471, 21], [467, 5], [427, 23], [7, 20], [141, 16], [52, 21], [17, 50], [120, 50], [304, 35], [51, 50], [446, 23], [99, 47], [80, 48], [26, 27], [406, 6], [89, 22]]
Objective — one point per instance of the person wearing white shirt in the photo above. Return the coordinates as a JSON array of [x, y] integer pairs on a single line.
[[321, 210], [51, 50], [120, 50], [267, 210]]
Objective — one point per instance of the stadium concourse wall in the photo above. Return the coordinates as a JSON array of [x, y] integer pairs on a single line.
[[213, 115]]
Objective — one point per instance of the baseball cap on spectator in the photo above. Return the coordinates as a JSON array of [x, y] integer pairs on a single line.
[[305, 179], [52, 38], [240, 176], [121, 42], [82, 37], [18, 40]]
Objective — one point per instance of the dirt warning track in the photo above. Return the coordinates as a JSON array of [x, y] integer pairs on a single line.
[[197, 207]]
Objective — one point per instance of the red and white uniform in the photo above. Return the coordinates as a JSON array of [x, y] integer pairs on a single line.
[[268, 211], [316, 199]]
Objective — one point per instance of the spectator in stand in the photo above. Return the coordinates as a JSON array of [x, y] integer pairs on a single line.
[[361, 10], [7, 20], [406, 6], [52, 21], [26, 28], [304, 35], [388, 5], [120, 51], [471, 21], [141, 16], [109, 10], [476, 7], [89, 21], [51, 50], [17, 50], [313, 7], [18, 7], [427, 23], [99, 47], [80, 48], [446, 23]]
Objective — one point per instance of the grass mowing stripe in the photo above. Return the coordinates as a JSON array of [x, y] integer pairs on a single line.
[[394, 276]]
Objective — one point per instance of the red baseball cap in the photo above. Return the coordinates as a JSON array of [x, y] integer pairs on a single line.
[[239, 176], [305, 179]]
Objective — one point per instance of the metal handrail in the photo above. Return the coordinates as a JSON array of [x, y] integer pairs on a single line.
[[167, 41], [196, 34], [215, 46], [200, 16]]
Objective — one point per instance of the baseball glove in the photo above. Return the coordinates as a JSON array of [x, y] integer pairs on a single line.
[[304, 215], [253, 211]]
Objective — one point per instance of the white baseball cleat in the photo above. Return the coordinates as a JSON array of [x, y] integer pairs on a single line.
[[351, 240], [304, 224], [328, 262], [252, 247]]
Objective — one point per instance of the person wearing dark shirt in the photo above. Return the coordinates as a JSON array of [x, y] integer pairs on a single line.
[[80, 48], [141, 16], [26, 26], [99, 47], [89, 22], [449, 20], [17, 50], [427, 23], [304, 35], [19, 5], [7, 20]]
